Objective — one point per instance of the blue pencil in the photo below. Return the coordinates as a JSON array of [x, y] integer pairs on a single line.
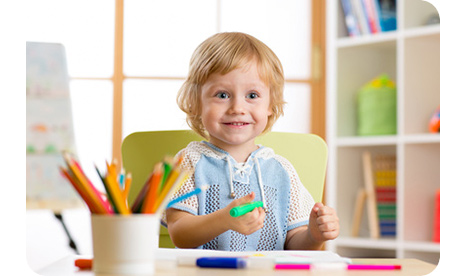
[[188, 195]]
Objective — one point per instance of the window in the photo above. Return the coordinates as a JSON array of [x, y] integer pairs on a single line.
[[158, 40]]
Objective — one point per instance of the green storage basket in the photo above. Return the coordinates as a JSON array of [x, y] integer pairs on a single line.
[[377, 107]]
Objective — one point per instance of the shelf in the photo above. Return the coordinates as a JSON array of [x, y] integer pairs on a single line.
[[366, 40], [384, 37], [422, 138], [422, 246], [390, 244], [367, 141], [422, 31], [363, 141]]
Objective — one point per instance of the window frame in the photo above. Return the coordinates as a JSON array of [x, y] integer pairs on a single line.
[[316, 81]]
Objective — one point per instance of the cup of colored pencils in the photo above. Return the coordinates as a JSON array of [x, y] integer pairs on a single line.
[[125, 237]]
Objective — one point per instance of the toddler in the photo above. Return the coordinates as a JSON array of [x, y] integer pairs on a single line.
[[234, 93]]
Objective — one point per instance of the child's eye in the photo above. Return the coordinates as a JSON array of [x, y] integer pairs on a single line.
[[252, 95], [222, 95]]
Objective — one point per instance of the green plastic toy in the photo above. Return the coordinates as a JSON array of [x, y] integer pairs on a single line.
[[377, 107]]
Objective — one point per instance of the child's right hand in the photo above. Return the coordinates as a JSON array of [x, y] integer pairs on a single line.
[[247, 223]]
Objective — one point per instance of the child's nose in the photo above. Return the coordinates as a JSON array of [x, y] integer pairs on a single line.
[[237, 106]]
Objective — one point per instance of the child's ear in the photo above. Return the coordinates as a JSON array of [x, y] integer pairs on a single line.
[[269, 111]]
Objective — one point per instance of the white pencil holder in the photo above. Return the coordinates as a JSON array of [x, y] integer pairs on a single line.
[[125, 244]]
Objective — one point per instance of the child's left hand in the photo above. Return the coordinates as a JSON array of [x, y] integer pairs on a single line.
[[323, 223]]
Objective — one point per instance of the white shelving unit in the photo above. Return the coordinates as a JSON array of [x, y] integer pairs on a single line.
[[411, 57]]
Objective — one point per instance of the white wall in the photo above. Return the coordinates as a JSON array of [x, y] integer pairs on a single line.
[[46, 240]]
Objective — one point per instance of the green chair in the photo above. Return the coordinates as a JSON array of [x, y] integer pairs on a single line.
[[141, 150]]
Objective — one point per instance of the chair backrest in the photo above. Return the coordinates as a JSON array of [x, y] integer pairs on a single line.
[[306, 152], [141, 150]]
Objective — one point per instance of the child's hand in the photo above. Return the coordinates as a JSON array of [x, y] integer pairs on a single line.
[[323, 223], [247, 223]]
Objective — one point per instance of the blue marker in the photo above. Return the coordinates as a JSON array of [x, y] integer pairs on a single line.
[[221, 262]]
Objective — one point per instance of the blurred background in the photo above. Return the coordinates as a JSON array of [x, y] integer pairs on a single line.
[[126, 61]]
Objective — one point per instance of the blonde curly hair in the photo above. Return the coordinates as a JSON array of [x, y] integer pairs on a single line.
[[223, 53]]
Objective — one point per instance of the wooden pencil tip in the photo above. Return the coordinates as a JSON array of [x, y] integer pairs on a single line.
[[168, 159], [158, 166]]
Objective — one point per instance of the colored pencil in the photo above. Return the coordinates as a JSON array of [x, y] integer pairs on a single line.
[[122, 179], [188, 195], [174, 182], [115, 192], [137, 203], [94, 197], [128, 181], [79, 189], [106, 186], [152, 192], [105, 202], [167, 167]]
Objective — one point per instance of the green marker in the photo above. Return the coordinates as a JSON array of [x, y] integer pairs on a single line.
[[245, 208]]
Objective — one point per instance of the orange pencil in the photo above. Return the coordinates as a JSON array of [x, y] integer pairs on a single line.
[[78, 189], [152, 193]]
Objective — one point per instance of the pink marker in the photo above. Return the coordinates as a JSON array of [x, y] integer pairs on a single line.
[[292, 266], [373, 267]]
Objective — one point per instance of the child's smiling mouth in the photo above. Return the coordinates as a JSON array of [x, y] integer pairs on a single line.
[[239, 124]]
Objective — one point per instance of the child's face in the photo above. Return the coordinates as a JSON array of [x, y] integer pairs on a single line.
[[235, 107]]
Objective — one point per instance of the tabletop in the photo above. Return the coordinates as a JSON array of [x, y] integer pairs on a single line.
[[65, 267]]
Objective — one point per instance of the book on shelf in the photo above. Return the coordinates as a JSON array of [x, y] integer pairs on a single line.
[[350, 18], [370, 13], [363, 17]]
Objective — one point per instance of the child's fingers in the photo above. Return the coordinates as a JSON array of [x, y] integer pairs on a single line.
[[245, 199], [326, 227], [324, 219], [257, 219], [330, 235], [315, 209], [325, 211]]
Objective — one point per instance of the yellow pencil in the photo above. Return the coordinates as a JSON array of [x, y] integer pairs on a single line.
[[174, 182], [176, 186], [115, 191]]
